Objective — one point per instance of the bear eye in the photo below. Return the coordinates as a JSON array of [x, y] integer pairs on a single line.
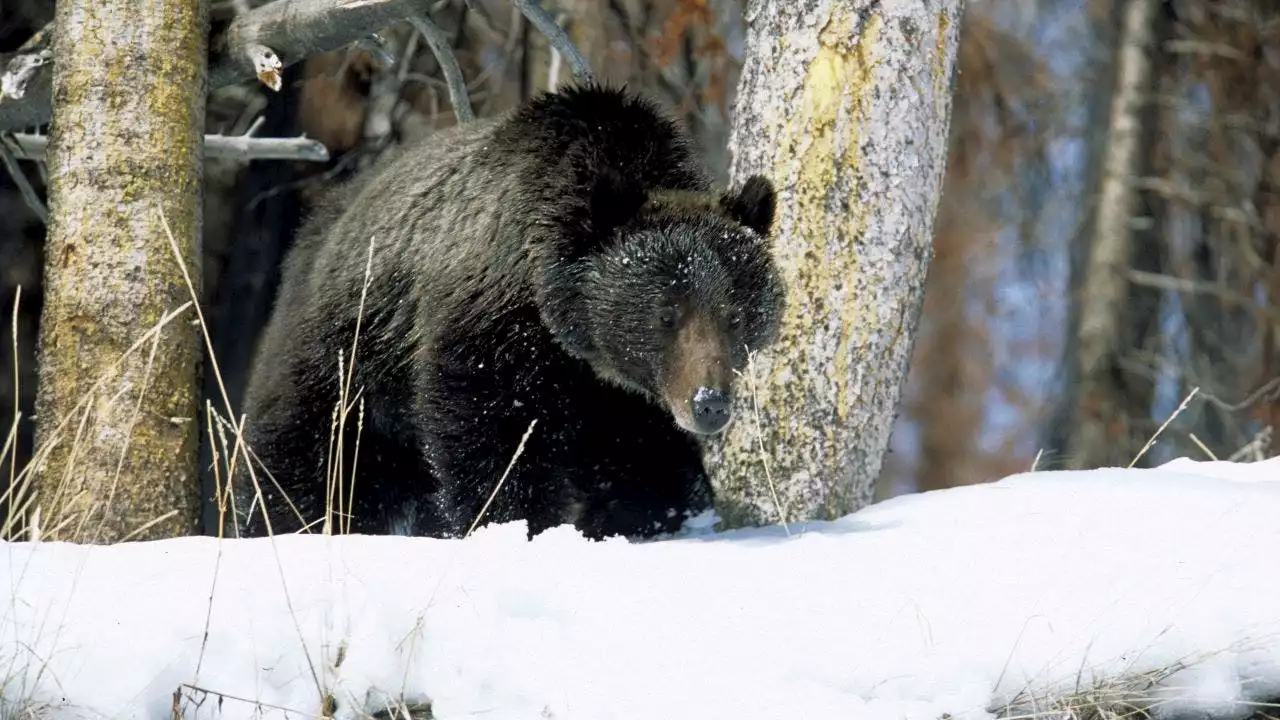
[[735, 319], [667, 316]]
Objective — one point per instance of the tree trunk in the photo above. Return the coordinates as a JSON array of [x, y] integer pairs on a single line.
[[1097, 91], [845, 105], [116, 432], [1111, 315]]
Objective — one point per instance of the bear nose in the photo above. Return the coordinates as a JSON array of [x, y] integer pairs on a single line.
[[710, 410]]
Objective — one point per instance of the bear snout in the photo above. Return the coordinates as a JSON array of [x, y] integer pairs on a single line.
[[697, 381], [711, 410]]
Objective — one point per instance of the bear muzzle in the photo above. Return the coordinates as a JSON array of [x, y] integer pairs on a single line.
[[711, 410], [697, 383]]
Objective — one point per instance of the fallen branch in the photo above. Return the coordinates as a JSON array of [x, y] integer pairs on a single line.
[[259, 43], [237, 147]]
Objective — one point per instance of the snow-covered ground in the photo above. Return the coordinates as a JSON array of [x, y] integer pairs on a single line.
[[949, 602]]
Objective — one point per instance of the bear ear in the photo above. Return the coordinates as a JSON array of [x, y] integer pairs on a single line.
[[752, 204]]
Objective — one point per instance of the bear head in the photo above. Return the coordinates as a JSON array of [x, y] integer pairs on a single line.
[[680, 294]]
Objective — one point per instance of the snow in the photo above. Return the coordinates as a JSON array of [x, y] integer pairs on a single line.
[[952, 602]]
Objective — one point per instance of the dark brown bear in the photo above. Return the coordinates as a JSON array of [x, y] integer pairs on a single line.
[[566, 262]]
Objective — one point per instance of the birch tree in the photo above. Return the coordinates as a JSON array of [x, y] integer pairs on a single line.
[[117, 426], [1106, 400], [845, 105]]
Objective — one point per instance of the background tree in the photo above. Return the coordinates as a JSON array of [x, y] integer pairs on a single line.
[[1112, 408], [845, 105], [1004, 106]]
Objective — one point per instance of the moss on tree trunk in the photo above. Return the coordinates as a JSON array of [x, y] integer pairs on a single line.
[[845, 105], [128, 118]]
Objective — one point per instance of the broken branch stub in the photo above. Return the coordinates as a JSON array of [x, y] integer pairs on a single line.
[[266, 65]]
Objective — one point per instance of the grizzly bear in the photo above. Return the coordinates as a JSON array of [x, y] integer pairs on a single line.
[[567, 262]]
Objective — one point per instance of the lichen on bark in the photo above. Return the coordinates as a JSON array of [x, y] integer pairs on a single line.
[[845, 105], [116, 431]]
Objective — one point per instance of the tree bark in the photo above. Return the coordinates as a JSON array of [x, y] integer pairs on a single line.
[[1108, 312], [116, 431], [846, 106]]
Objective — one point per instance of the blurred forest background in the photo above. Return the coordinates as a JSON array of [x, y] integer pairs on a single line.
[[1002, 377]]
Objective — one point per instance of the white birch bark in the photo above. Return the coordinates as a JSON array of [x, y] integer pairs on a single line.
[[846, 106]]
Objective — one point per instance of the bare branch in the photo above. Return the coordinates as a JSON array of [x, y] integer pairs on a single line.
[[291, 30], [34, 54], [24, 186], [1204, 48], [376, 45], [457, 84], [14, 81], [237, 147], [557, 37], [1186, 285], [1268, 392], [27, 73]]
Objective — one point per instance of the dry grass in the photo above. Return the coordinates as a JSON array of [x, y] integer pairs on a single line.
[[753, 389], [24, 507], [1122, 698], [1252, 451], [1130, 696]]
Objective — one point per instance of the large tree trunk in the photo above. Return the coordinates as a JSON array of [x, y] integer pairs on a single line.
[[1111, 403], [845, 105], [129, 95]]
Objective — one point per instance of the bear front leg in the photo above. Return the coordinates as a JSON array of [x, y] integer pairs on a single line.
[[650, 475]]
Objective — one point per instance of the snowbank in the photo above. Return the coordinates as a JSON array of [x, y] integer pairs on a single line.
[[947, 602]]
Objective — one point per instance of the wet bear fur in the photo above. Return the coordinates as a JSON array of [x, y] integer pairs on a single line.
[[567, 262]]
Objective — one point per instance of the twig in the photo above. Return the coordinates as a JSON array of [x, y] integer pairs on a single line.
[[558, 38], [1269, 392], [238, 147], [17, 410], [515, 456], [385, 89], [1203, 448], [453, 78], [1255, 447], [237, 698], [1160, 281], [1185, 401], [764, 456], [553, 74], [24, 185]]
